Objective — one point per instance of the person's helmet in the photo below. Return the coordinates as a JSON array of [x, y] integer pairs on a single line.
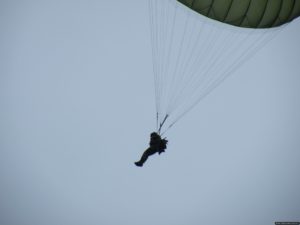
[[154, 134]]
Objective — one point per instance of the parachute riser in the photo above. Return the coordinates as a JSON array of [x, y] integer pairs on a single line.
[[162, 123]]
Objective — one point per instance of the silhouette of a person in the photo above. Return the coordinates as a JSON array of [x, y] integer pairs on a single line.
[[157, 144]]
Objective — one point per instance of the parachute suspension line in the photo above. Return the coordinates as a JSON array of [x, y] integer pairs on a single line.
[[170, 47], [165, 38], [150, 8], [207, 46], [162, 45], [251, 49], [179, 55], [256, 45], [189, 59], [210, 85], [194, 79], [163, 26], [181, 58], [220, 66], [200, 60], [157, 14], [211, 73], [188, 53], [244, 57], [215, 81], [157, 121], [198, 79], [162, 20]]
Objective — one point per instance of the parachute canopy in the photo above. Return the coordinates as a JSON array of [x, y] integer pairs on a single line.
[[247, 13]]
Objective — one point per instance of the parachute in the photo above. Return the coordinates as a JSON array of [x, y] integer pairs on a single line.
[[197, 44], [247, 13]]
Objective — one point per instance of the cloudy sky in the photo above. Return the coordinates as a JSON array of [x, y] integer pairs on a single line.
[[77, 106]]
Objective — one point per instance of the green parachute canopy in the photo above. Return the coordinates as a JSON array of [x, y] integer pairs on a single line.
[[247, 13]]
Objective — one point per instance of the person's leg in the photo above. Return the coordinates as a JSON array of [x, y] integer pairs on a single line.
[[145, 156]]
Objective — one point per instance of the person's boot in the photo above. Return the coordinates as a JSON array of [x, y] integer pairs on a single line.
[[138, 164]]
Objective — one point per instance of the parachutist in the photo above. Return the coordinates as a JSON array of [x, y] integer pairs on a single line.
[[156, 145]]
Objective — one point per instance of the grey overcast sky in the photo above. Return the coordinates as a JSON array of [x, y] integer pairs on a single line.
[[77, 106]]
